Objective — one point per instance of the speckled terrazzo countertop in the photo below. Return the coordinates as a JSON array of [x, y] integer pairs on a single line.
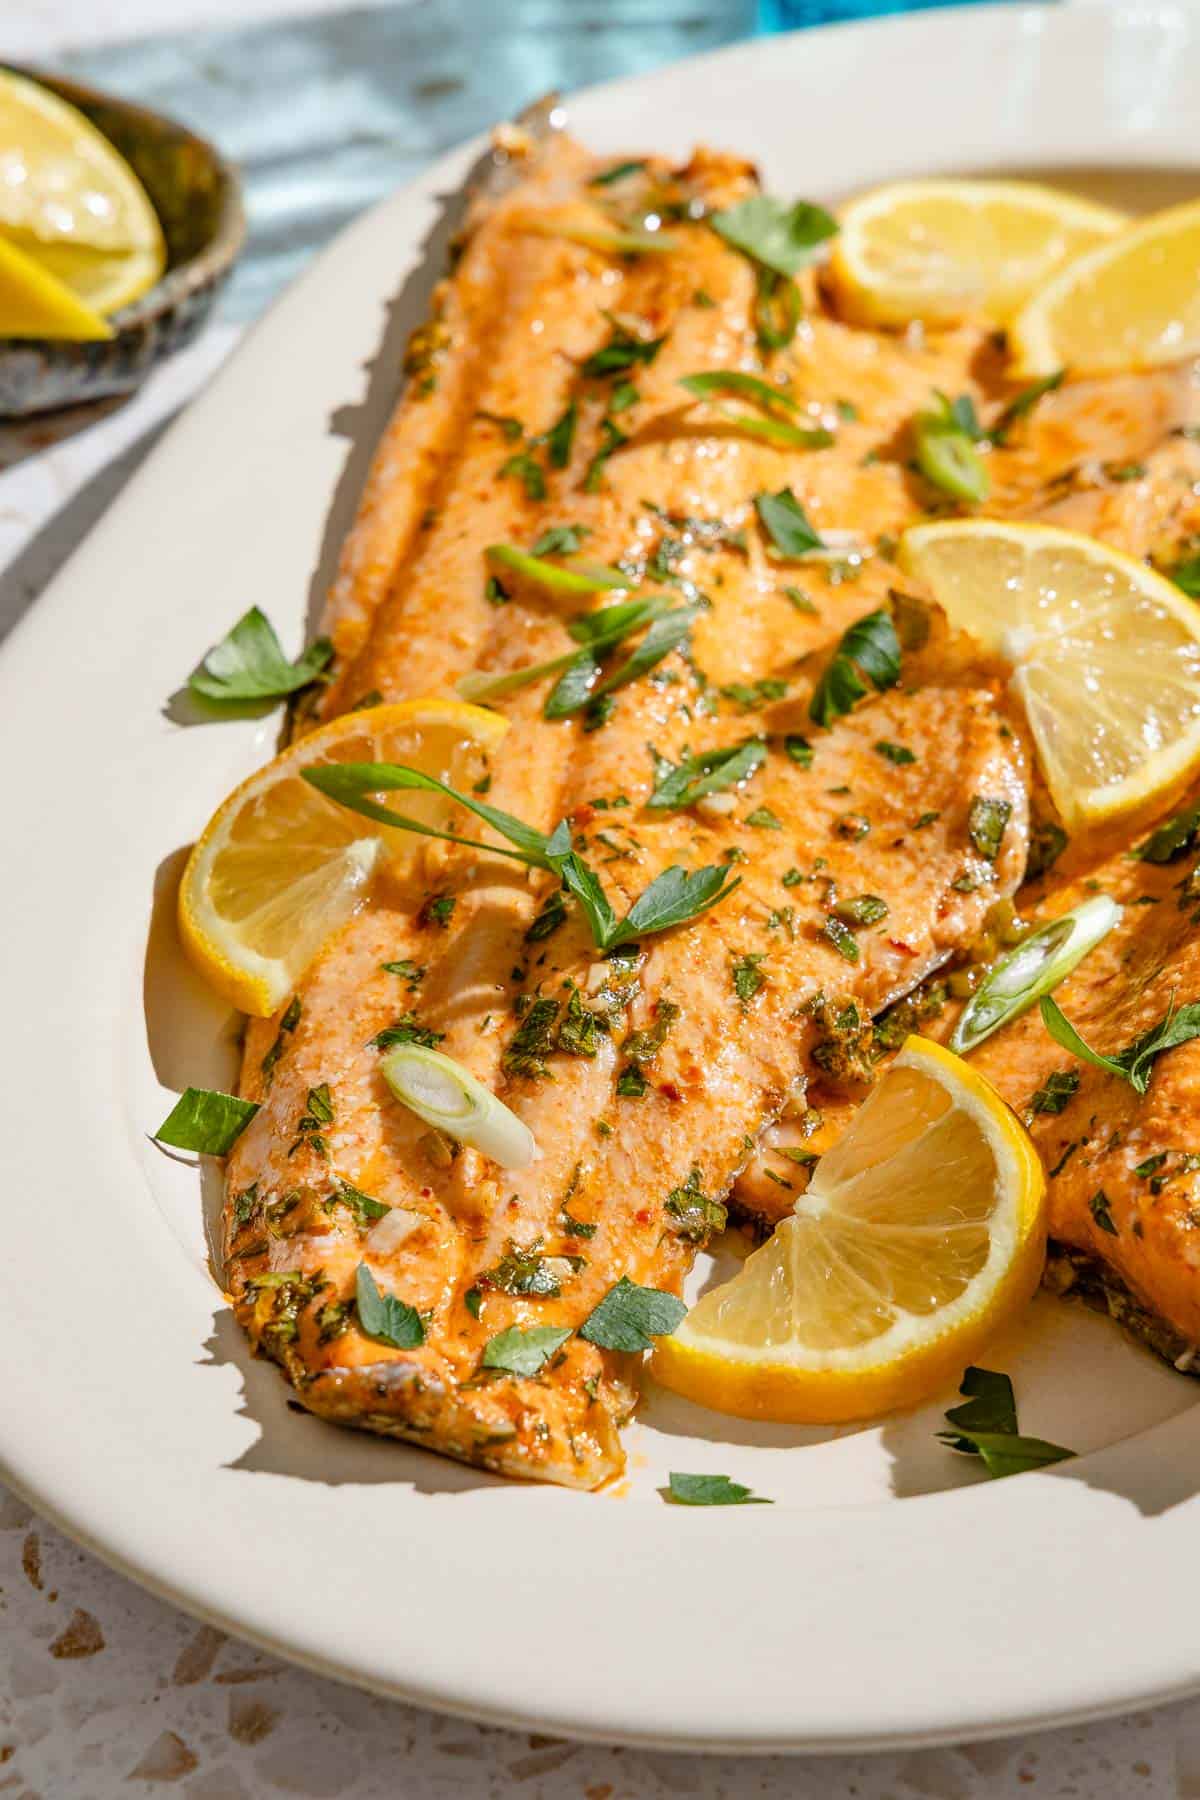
[[104, 1691]]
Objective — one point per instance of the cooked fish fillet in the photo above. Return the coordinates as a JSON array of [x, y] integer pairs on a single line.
[[1123, 1184], [741, 996], [1109, 457]]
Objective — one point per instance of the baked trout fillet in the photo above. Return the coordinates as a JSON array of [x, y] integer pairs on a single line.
[[544, 413], [1118, 459], [1123, 1188]]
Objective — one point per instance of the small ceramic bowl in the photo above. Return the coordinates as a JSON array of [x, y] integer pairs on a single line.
[[197, 196]]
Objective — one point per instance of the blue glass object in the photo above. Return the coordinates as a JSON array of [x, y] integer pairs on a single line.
[[789, 15]]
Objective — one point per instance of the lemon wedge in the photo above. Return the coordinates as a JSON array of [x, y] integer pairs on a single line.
[[34, 305], [101, 280], [61, 181], [922, 1232], [1130, 303], [279, 868], [942, 250], [72, 207], [1105, 654]]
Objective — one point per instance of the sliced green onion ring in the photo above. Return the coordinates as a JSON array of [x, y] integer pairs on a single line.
[[1033, 968], [446, 1096], [947, 457]]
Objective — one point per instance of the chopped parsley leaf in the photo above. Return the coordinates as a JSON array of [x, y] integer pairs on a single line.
[[746, 975], [287, 1025], [406, 1030], [787, 524], [1059, 1088], [559, 439], [248, 665], [1172, 839], [384, 1317], [205, 1121], [413, 973], [529, 472], [438, 909], [706, 772], [560, 540], [1047, 841], [841, 937], [867, 655], [623, 351], [519, 1352], [711, 1490], [630, 1317], [780, 236], [696, 1216], [364, 1209], [611, 438], [1100, 1207], [863, 909], [987, 820], [986, 1426]]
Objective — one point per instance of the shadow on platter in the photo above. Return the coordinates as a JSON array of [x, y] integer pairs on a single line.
[[295, 1443], [1079, 1382], [192, 1035], [36, 564]]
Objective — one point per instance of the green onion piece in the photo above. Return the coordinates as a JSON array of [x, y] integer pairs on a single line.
[[777, 307], [491, 687], [629, 242], [947, 457], [588, 578], [736, 381], [777, 431], [714, 384], [619, 172], [1033, 968], [446, 1096], [599, 632]]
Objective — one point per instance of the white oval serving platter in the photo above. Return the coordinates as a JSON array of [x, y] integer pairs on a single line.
[[889, 1596]]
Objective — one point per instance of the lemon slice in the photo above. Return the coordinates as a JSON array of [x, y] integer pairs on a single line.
[[921, 1232], [1105, 654], [279, 868], [941, 250], [34, 305], [61, 181], [101, 280], [1132, 303]]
